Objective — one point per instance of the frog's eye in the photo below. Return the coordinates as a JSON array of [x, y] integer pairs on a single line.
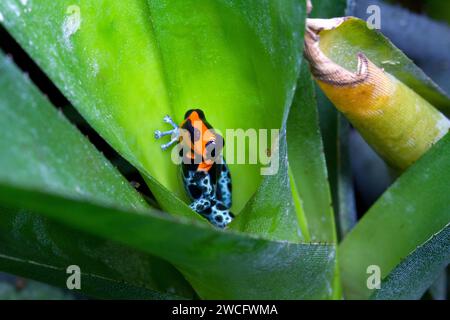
[[210, 150], [214, 147]]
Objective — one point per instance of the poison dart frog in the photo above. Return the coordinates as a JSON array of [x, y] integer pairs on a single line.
[[206, 177]]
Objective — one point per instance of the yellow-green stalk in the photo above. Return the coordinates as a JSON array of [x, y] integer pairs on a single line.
[[398, 123]]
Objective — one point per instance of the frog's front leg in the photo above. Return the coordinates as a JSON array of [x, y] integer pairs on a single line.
[[175, 133]]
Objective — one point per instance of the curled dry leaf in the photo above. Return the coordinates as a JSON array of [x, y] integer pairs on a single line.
[[398, 123]]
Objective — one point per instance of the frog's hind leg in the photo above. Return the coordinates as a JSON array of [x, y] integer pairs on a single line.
[[199, 188], [201, 206], [198, 184], [223, 192], [201, 191]]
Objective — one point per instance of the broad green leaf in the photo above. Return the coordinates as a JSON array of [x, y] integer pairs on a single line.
[[308, 167], [307, 161], [308, 194], [344, 193], [40, 149], [335, 132], [343, 44], [312, 174], [414, 208], [124, 65], [218, 264], [413, 276], [38, 248], [306, 154], [274, 212]]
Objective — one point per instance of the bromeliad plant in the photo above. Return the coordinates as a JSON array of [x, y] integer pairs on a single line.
[[124, 66]]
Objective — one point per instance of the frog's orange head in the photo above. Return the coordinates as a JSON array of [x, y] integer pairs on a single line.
[[194, 114], [201, 138]]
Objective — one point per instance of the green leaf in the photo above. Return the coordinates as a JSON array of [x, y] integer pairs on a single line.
[[343, 44], [124, 65], [343, 190], [42, 150], [274, 212], [218, 264], [38, 248], [414, 208], [302, 209], [307, 161], [308, 167], [248, 70], [413, 276], [70, 231]]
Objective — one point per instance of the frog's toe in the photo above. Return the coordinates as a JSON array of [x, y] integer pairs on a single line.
[[169, 120], [228, 218], [167, 145], [158, 134]]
